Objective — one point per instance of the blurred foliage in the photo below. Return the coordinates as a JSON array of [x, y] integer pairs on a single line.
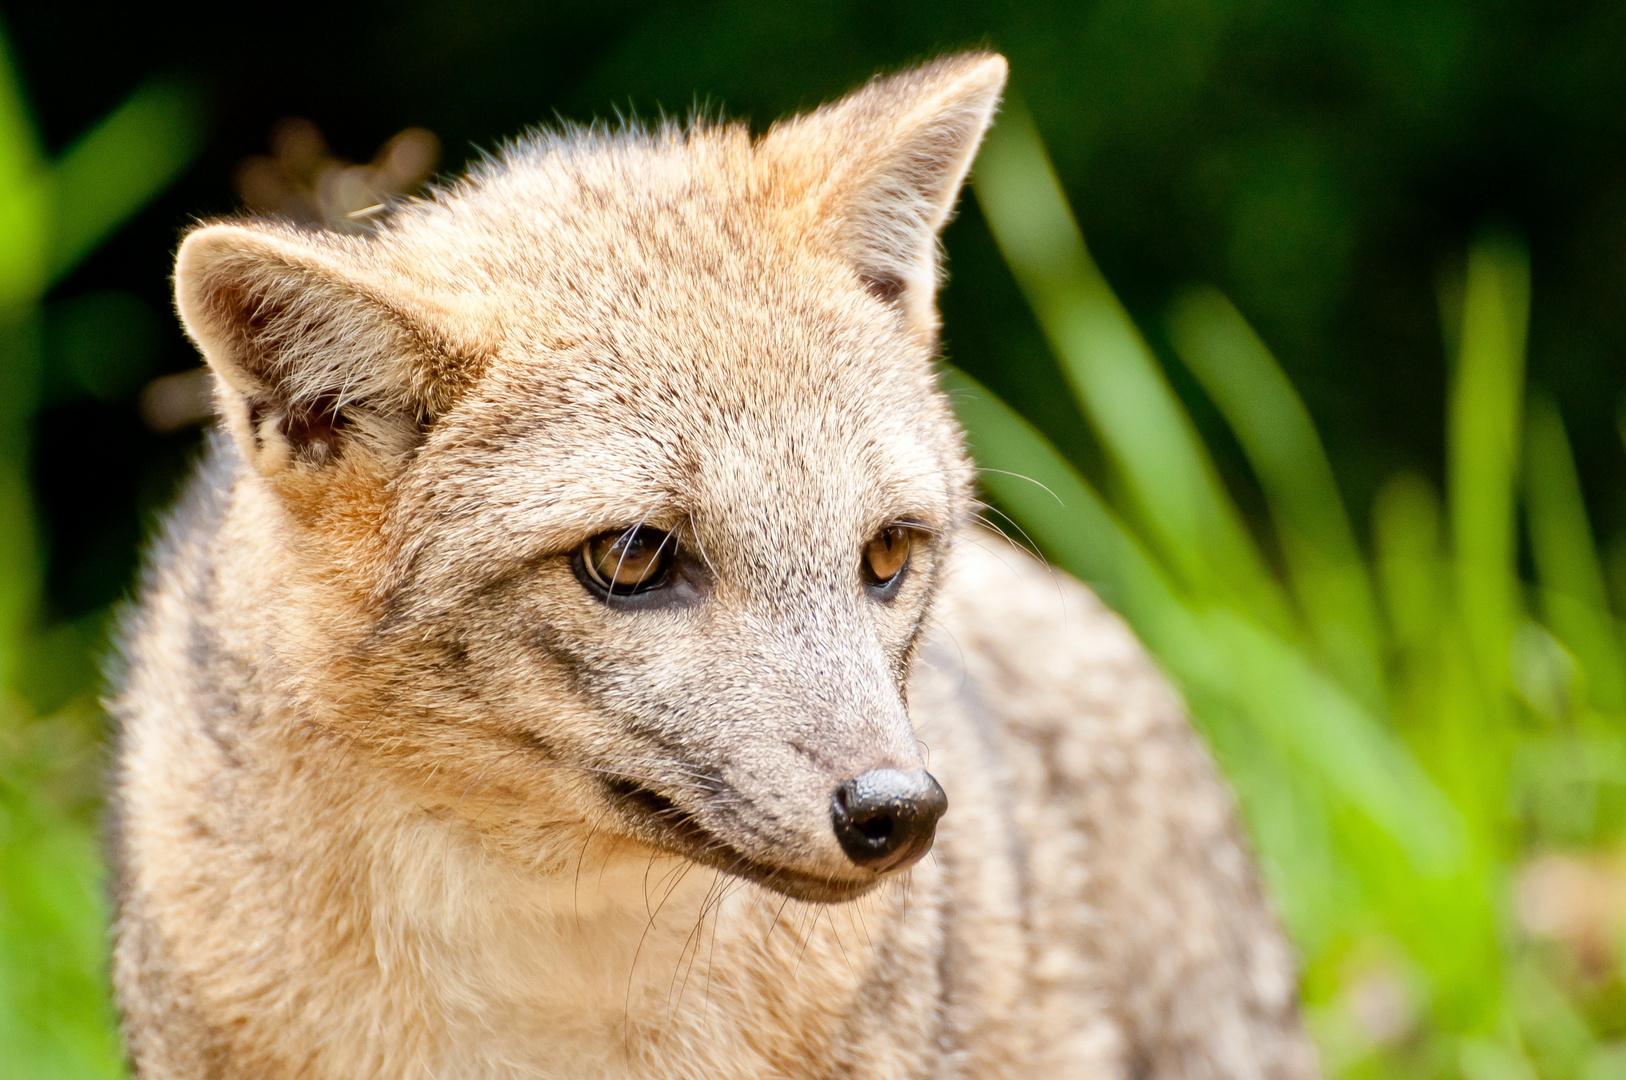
[[1319, 163], [1377, 577], [1403, 735], [56, 1018]]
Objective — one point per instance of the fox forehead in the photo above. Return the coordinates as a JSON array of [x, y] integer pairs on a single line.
[[615, 217], [671, 346], [551, 451], [581, 234]]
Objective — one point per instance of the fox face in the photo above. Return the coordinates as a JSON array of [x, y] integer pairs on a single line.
[[610, 487], [708, 602]]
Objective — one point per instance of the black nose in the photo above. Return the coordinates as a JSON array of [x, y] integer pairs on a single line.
[[885, 819]]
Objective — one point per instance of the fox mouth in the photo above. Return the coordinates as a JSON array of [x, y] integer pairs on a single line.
[[663, 824]]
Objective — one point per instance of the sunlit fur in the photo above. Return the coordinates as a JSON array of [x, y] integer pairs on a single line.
[[377, 737]]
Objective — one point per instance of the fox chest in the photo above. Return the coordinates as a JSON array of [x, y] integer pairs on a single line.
[[709, 978]]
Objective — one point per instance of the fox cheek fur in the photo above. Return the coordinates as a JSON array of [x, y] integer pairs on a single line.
[[598, 520], [735, 713]]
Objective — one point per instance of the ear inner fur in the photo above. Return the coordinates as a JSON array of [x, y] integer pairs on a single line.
[[312, 352]]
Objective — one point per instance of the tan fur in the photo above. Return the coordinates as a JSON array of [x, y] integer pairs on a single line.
[[382, 753]]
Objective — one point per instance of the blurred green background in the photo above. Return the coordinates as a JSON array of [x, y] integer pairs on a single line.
[[1306, 318]]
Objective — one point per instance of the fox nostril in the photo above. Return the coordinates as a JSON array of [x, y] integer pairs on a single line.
[[886, 819]]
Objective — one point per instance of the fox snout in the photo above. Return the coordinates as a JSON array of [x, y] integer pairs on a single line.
[[819, 808], [883, 820]]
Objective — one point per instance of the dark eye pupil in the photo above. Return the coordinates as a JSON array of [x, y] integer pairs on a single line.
[[626, 562]]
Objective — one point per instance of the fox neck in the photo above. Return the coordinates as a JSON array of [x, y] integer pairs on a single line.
[[604, 967]]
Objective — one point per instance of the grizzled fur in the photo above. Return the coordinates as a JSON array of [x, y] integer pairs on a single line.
[[400, 798]]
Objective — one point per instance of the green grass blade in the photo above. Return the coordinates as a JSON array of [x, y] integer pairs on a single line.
[[56, 1013], [1324, 729], [1411, 563], [20, 154], [118, 165], [1173, 486], [24, 193], [1483, 457], [1573, 595], [1328, 575], [20, 576]]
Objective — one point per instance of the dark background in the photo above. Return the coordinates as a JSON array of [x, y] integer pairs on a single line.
[[1324, 164]]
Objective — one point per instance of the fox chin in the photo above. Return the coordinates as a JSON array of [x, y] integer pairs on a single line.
[[577, 655]]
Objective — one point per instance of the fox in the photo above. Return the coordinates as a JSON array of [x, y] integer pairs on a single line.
[[579, 653]]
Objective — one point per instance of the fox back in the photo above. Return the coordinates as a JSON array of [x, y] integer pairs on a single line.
[[577, 637]]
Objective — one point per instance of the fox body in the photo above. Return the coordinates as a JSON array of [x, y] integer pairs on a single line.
[[576, 548]]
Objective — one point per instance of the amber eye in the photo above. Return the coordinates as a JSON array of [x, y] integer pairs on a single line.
[[886, 556], [629, 561]]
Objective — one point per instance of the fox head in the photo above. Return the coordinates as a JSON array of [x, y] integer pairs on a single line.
[[609, 487]]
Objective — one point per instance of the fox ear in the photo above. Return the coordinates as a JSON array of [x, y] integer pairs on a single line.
[[881, 170], [317, 352]]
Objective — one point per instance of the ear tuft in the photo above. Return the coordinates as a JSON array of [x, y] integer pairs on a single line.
[[881, 170], [315, 347]]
